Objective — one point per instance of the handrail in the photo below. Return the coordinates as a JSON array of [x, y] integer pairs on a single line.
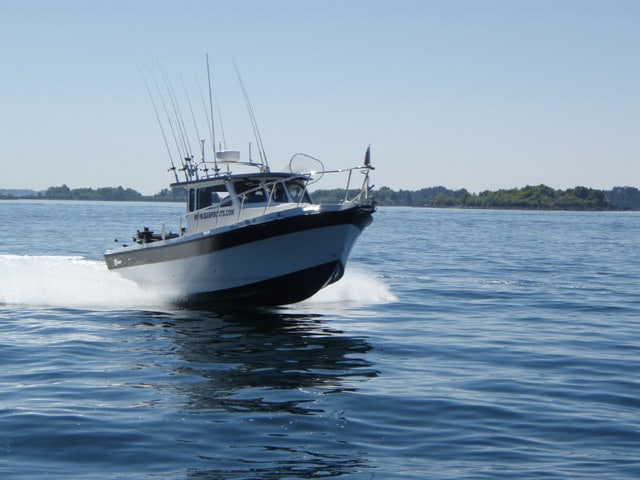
[[304, 190], [273, 189]]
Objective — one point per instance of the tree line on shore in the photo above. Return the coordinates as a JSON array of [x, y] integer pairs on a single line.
[[110, 194], [539, 197]]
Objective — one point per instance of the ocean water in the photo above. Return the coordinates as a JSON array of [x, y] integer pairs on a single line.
[[461, 344]]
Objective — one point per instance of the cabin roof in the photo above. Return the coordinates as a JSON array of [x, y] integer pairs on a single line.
[[217, 180]]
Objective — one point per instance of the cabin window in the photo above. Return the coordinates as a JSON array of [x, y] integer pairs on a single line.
[[297, 192], [278, 194], [251, 192], [206, 196], [211, 196], [192, 200]]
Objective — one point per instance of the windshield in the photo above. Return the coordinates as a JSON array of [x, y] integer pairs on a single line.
[[297, 192], [250, 192]]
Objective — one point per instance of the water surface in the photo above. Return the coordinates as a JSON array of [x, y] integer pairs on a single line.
[[460, 344]]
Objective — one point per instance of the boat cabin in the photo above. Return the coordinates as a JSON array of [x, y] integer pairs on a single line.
[[247, 191], [224, 200]]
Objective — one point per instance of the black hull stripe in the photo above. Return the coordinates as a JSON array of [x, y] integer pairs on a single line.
[[359, 216], [292, 288]]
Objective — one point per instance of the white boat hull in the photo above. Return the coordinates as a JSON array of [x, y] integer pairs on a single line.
[[272, 263]]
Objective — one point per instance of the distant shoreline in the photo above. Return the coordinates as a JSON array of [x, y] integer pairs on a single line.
[[538, 197], [114, 194]]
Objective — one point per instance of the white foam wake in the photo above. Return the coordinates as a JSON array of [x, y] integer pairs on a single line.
[[75, 282], [356, 287], [67, 281]]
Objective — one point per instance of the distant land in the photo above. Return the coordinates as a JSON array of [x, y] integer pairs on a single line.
[[114, 194], [539, 197]]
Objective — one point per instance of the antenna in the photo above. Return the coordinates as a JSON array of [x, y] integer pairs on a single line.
[[213, 136], [164, 137], [252, 117]]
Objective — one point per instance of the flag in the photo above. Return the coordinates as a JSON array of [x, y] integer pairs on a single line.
[[367, 157]]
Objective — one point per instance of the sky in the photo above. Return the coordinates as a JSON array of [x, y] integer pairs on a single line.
[[475, 94]]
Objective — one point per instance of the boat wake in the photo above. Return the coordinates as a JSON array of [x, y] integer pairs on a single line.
[[354, 289], [69, 282], [76, 282]]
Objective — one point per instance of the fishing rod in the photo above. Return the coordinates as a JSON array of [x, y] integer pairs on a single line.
[[193, 118], [184, 137], [164, 137], [205, 109], [252, 118], [175, 138], [224, 140], [213, 136]]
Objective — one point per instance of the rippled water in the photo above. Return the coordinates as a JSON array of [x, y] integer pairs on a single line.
[[460, 344]]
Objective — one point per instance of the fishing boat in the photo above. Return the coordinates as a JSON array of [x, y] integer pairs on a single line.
[[249, 236]]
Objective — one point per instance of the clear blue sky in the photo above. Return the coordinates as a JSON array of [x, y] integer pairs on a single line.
[[462, 93]]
